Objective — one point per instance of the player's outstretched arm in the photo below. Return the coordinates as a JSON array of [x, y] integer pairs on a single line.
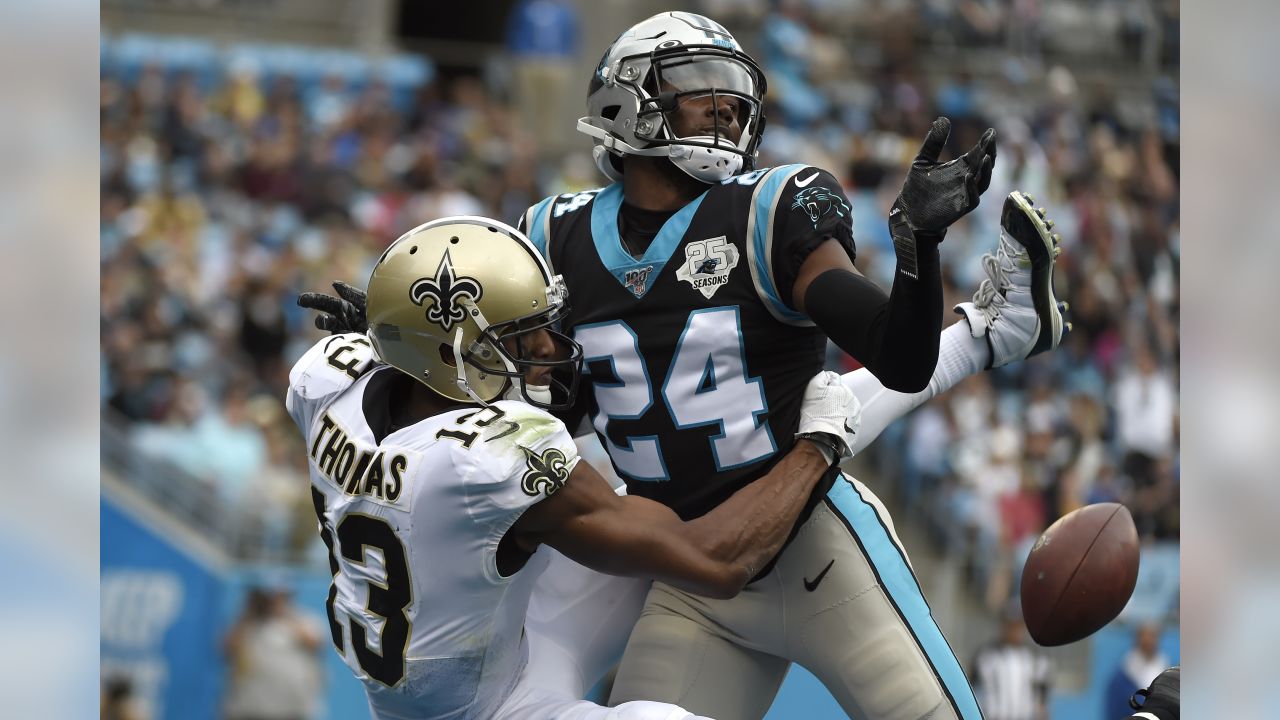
[[713, 555], [895, 336]]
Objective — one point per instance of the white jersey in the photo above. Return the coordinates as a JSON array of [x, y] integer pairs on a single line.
[[418, 608]]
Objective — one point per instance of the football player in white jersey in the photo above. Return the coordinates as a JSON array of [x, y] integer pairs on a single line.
[[437, 474]]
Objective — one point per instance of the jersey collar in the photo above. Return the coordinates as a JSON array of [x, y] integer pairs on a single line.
[[635, 275]]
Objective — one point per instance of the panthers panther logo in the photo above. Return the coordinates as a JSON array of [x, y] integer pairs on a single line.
[[546, 472], [819, 202]]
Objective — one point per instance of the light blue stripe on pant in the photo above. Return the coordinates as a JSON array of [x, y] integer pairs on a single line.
[[896, 578]]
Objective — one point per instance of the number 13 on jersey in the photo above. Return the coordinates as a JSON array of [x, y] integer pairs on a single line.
[[707, 384]]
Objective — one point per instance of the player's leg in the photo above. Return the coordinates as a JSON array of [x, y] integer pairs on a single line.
[[959, 356], [578, 623], [1013, 315], [687, 650], [857, 620]]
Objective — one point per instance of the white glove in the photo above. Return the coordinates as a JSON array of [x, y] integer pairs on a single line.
[[832, 412]]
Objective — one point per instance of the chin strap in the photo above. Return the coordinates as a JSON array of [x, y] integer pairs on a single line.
[[461, 367], [524, 393], [513, 391], [705, 164]]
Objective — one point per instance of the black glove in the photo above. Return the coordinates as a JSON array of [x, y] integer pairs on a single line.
[[935, 195], [342, 314]]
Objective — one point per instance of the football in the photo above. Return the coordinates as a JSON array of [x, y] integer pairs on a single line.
[[1080, 574]]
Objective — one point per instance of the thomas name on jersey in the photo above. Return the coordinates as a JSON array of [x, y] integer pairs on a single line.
[[354, 468]]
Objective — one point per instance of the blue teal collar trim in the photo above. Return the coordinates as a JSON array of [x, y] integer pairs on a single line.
[[635, 275]]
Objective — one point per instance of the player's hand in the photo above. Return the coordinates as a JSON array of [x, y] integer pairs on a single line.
[[935, 194], [832, 411], [338, 315]]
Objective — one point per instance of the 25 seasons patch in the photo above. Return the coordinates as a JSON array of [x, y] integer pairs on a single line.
[[707, 264]]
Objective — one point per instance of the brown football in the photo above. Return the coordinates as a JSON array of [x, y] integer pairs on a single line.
[[1080, 574]]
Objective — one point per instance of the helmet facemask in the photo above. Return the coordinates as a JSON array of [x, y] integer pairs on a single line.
[[685, 74], [455, 304], [634, 100], [504, 349]]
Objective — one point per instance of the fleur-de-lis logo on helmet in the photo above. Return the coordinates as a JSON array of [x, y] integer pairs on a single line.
[[445, 289], [546, 473]]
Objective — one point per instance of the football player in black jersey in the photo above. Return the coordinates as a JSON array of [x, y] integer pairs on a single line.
[[703, 291]]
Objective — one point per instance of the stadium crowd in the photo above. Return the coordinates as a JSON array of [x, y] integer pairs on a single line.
[[227, 188]]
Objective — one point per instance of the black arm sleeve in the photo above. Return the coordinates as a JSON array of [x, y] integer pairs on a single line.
[[894, 336]]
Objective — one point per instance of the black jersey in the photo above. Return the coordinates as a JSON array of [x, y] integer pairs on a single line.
[[696, 360]]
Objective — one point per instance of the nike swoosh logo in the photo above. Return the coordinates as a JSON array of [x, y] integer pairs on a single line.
[[851, 431], [813, 585], [801, 183]]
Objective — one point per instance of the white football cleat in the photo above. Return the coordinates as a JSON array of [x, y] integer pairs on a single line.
[[1014, 308]]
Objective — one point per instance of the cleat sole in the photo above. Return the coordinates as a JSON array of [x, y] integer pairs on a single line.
[[1042, 250]]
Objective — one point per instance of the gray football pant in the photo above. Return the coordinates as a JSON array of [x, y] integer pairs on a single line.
[[842, 602]]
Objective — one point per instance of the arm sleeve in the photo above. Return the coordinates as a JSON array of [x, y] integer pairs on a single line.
[[798, 207], [894, 336]]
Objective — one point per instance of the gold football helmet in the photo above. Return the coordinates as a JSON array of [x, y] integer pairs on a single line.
[[444, 297]]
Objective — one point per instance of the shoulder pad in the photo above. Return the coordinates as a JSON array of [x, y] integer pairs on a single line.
[[518, 456], [328, 368], [536, 221]]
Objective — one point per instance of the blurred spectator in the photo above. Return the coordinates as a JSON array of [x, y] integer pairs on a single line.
[[1010, 676], [1087, 476], [542, 37], [787, 51], [1141, 664], [273, 654], [1022, 517], [1146, 406], [925, 465], [118, 702]]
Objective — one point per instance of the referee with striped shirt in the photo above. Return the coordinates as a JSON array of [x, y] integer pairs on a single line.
[[1011, 680], [1010, 676]]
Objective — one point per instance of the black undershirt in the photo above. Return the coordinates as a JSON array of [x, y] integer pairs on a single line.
[[638, 227]]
